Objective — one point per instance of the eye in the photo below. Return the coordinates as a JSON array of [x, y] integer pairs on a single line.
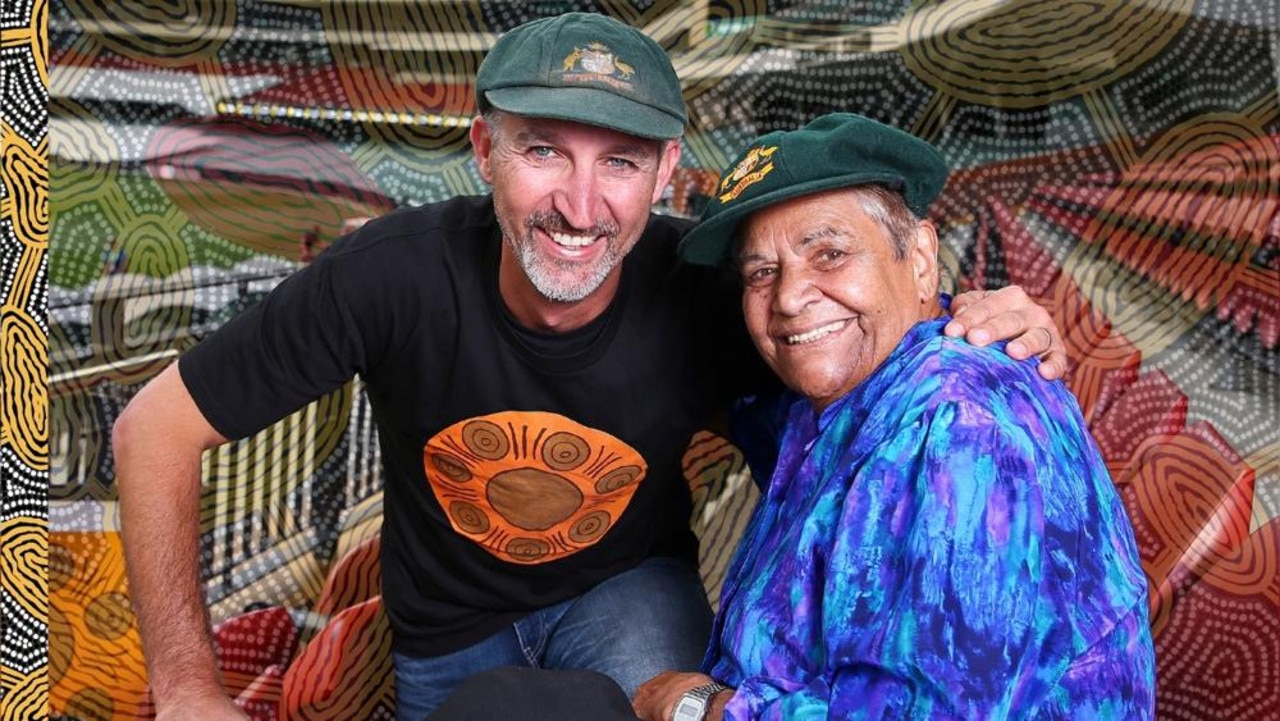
[[758, 276], [541, 151], [621, 164], [830, 257]]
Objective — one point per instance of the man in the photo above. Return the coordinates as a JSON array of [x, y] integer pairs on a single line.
[[534, 393]]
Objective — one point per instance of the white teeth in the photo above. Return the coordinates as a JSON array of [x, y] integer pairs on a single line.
[[573, 241], [814, 334]]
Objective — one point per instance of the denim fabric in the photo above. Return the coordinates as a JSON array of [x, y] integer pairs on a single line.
[[633, 626]]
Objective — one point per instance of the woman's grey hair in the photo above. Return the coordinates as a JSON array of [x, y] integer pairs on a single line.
[[889, 209]]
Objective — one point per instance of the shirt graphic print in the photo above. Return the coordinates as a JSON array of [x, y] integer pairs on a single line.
[[531, 487]]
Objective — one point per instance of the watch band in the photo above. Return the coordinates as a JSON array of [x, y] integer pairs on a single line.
[[692, 705]]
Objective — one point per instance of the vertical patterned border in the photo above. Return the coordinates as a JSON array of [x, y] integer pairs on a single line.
[[24, 433]]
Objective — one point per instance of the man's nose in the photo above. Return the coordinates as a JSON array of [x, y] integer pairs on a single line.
[[578, 198]]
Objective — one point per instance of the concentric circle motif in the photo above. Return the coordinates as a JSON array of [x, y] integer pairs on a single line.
[[420, 69], [176, 33], [1029, 53], [1185, 220], [485, 439], [531, 487]]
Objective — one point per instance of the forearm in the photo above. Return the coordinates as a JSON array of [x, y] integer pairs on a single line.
[[159, 512], [158, 442]]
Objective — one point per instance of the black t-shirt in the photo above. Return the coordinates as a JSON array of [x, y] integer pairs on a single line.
[[521, 468]]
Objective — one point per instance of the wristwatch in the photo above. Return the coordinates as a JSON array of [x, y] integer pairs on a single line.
[[692, 706]]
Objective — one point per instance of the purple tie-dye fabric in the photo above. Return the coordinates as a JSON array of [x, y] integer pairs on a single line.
[[942, 542]]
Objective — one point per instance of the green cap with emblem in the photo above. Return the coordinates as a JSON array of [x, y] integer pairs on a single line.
[[833, 151], [586, 68]]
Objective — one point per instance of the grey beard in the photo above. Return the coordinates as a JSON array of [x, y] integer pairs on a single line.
[[542, 274], [541, 271]]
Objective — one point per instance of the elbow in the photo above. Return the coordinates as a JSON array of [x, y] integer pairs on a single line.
[[127, 433]]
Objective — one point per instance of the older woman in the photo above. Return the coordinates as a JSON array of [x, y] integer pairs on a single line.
[[940, 538]]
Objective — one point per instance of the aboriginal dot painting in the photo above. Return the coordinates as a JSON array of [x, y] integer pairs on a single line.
[[1118, 160]]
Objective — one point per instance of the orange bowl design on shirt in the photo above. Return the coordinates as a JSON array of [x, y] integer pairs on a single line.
[[531, 487]]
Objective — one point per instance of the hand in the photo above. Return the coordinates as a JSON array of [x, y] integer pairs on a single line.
[[205, 708], [656, 698], [984, 316]]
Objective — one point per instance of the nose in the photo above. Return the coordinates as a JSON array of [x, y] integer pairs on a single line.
[[578, 197], [794, 291]]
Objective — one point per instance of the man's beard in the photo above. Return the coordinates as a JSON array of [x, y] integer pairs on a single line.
[[547, 273]]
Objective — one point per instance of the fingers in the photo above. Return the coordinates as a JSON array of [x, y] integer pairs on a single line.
[[1041, 341], [983, 317], [981, 327], [986, 316], [1053, 362]]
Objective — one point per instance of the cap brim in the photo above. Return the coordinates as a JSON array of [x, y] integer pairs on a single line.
[[710, 242], [588, 105]]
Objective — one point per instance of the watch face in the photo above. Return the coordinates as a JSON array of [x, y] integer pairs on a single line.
[[689, 709]]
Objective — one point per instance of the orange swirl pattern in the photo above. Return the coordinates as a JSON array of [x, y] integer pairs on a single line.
[[345, 672], [1195, 503], [26, 618], [97, 669], [26, 399], [355, 578], [28, 189], [1030, 53]]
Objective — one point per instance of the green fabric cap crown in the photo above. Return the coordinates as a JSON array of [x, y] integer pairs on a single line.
[[586, 68], [833, 151]]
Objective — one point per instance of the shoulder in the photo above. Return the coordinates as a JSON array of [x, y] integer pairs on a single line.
[[656, 248], [975, 387], [421, 228], [421, 245], [954, 370]]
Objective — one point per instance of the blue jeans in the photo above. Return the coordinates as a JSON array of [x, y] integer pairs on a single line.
[[631, 627]]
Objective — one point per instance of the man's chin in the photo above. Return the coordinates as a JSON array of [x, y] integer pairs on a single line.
[[565, 295], [560, 289]]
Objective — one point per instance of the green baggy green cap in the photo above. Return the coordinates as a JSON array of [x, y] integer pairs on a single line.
[[833, 151], [586, 68]]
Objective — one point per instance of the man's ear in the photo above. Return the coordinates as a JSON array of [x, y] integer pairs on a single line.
[[482, 146], [923, 255], [668, 159]]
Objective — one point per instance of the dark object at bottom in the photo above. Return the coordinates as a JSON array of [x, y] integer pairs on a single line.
[[531, 694]]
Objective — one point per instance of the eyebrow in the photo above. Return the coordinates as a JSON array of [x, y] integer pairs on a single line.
[[826, 231], [535, 135]]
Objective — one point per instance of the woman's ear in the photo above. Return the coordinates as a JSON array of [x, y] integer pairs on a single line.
[[923, 255]]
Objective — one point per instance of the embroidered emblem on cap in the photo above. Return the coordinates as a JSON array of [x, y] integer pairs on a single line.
[[596, 63], [746, 173]]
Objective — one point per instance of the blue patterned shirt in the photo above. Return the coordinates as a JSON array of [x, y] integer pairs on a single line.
[[942, 542]]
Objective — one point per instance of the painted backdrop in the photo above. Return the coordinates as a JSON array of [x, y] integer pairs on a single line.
[[1119, 160]]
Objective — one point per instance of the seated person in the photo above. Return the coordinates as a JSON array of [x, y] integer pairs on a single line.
[[940, 538]]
